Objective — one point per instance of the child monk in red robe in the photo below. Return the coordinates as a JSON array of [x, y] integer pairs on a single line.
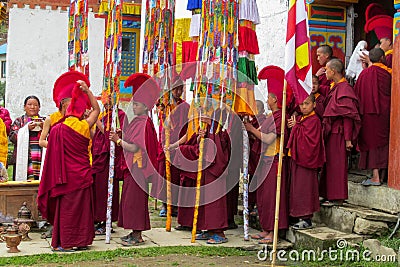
[[319, 99], [65, 196], [307, 151], [341, 124], [100, 168], [266, 174], [140, 149], [373, 87]]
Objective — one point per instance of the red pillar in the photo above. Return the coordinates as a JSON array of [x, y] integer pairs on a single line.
[[394, 143]]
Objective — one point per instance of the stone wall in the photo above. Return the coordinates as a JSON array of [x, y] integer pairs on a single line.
[[37, 54]]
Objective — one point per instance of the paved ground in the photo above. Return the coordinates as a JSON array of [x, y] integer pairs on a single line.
[[156, 237]]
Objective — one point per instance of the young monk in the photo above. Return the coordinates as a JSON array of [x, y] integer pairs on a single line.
[[65, 191], [140, 146], [341, 124], [373, 88], [100, 167], [308, 154], [269, 133], [319, 99]]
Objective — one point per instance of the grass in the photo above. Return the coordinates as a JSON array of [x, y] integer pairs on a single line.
[[110, 256]]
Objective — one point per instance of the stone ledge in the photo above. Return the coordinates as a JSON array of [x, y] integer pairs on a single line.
[[374, 197], [319, 238]]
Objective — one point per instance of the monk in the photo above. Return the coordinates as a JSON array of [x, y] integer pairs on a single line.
[[254, 156], [266, 174], [177, 123], [212, 217], [100, 168], [308, 154], [373, 88], [324, 54], [65, 192], [319, 99], [341, 124], [140, 146]]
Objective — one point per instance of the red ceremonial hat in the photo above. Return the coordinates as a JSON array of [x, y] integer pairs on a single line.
[[65, 83], [382, 25], [79, 100], [374, 9], [275, 77], [144, 89]]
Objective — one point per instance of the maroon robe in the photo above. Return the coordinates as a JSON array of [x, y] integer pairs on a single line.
[[373, 88], [389, 60], [134, 212], [306, 146], [324, 85], [320, 105], [212, 212], [65, 192], [254, 155], [266, 176], [179, 119], [100, 168], [341, 122]]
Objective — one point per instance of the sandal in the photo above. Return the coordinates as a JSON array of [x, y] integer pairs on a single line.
[[302, 225], [126, 237], [327, 203], [132, 241], [254, 212], [257, 236], [368, 182], [203, 236], [265, 241], [100, 231], [163, 213], [82, 248], [61, 249], [216, 240]]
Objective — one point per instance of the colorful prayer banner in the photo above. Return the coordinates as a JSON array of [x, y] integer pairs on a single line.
[[298, 53], [78, 57]]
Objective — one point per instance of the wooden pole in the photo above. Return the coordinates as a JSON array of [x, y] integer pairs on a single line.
[[168, 174], [245, 185], [198, 184], [279, 176], [394, 140]]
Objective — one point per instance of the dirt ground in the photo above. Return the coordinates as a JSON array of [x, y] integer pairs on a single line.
[[173, 260]]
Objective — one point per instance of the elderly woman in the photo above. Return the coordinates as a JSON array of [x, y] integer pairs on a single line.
[[25, 134]]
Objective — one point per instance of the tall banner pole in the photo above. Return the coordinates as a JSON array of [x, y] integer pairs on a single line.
[[279, 176], [112, 72], [245, 185]]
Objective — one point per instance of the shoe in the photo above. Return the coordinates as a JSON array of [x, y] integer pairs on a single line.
[[163, 213], [183, 228], [203, 236], [302, 225]]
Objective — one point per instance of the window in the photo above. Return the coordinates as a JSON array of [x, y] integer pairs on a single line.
[[126, 44], [3, 69]]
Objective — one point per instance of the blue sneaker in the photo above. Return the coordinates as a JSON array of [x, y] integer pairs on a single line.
[[163, 213]]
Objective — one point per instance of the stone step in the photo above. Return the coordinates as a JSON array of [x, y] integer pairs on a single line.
[[349, 218], [320, 238], [380, 198]]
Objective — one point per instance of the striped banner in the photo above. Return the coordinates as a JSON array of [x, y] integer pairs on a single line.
[[78, 57], [297, 52]]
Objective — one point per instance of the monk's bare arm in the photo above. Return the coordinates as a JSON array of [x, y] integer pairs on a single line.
[[267, 138], [93, 116], [45, 132]]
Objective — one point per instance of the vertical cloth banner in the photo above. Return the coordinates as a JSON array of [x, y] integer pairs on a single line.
[[78, 45], [158, 59], [297, 51], [111, 81]]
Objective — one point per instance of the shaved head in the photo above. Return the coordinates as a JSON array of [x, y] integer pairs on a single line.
[[336, 65], [326, 49], [376, 54]]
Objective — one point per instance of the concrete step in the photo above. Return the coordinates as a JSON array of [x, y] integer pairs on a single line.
[[350, 218], [320, 238], [380, 198]]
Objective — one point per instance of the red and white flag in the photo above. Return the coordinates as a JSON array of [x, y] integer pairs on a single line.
[[298, 51]]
